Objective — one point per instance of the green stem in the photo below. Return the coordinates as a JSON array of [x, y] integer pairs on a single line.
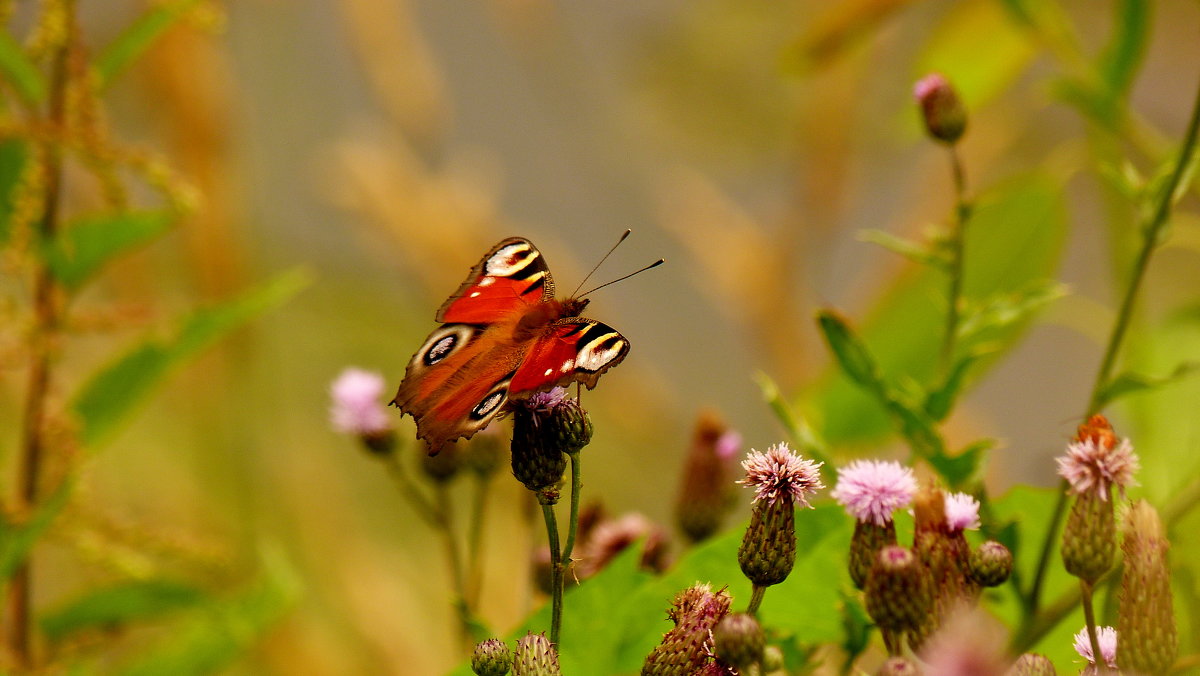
[[1150, 240], [1089, 618], [410, 491], [445, 527], [475, 540], [756, 597], [962, 211], [576, 489], [556, 572]]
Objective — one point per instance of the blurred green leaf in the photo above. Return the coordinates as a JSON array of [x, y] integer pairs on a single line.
[[984, 321], [941, 400], [13, 155], [857, 628], [1133, 383], [913, 251], [1119, 62], [127, 602], [84, 246], [137, 38], [111, 395], [217, 633], [959, 469], [17, 539], [1013, 240], [19, 71], [851, 353]]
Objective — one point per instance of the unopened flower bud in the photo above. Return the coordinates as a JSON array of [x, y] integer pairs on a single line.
[[942, 111], [1146, 618], [538, 461], [706, 495], [1089, 538], [944, 552], [868, 539], [485, 453], [687, 647], [535, 656], [991, 564], [739, 640], [898, 593], [445, 465], [491, 658], [898, 666], [1032, 664]]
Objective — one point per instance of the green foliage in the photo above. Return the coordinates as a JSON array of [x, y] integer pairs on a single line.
[[111, 607], [19, 71], [17, 539], [111, 395], [82, 248], [133, 42], [13, 155]]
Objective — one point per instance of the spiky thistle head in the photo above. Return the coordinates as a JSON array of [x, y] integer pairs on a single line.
[[780, 474], [871, 490], [1096, 460]]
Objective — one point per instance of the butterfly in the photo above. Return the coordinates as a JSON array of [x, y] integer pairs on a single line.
[[504, 337]]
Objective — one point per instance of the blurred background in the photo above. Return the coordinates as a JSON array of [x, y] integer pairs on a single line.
[[384, 145]]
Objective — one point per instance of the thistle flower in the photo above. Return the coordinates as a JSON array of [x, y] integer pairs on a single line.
[[1032, 664], [535, 656], [898, 595], [991, 564], [610, 537], [780, 479], [969, 642], [941, 109], [546, 426], [491, 658], [357, 408], [871, 490], [962, 512], [1146, 616], [1106, 637], [1095, 460], [945, 553], [688, 647], [739, 640], [705, 496]]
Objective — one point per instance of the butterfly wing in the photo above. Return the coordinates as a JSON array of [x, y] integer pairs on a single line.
[[509, 278], [573, 349]]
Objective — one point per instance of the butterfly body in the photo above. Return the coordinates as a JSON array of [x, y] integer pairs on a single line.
[[504, 337]]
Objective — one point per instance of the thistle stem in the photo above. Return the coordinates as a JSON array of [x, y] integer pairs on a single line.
[[1089, 617], [962, 212], [556, 572], [1151, 233], [33, 444], [425, 509], [756, 598], [445, 526], [573, 525], [475, 540]]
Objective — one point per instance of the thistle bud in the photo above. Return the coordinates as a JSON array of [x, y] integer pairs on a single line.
[[898, 666], [538, 460], [535, 656], [739, 640], [706, 494], [688, 647], [491, 658], [868, 539], [991, 564], [943, 551], [1089, 538], [445, 465], [1032, 664], [898, 595], [780, 479], [485, 453], [566, 426], [941, 109], [1146, 618]]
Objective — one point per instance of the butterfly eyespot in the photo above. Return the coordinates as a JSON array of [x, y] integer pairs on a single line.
[[442, 343], [489, 404]]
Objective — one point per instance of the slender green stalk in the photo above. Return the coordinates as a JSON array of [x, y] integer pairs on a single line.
[[1151, 233], [445, 528], [756, 597], [475, 540], [573, 525], [46, 320], [962, 212], [410, 491], [556, 572], [1089, 618]]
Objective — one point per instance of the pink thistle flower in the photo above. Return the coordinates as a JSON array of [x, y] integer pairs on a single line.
[[357, 406], [780, 474], [1106, 637], [728, 445], [962, 512], [871, 490], [1094, 465], [544, 401]]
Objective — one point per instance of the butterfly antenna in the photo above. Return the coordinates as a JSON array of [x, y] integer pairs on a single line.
[[655, 264], [597, 267]]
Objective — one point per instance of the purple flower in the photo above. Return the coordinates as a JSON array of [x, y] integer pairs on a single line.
[[357, 407], [728, 445], [962, 512], [780, 474], [1096, 464], [871, 490], [1106, 637], [544, 401]]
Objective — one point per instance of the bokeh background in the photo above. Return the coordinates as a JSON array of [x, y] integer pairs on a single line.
[[384, 145]]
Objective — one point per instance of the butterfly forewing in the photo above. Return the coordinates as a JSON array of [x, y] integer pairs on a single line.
[[574, 349], [511, 277]]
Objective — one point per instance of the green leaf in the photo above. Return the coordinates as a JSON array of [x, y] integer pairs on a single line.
[[989, 319], [851, 353], [1119, 62], [17, 539], [1014, 239], [19, 71], [1133, 383], [84, 246], [13, 155], [219, 632], [123, 603], [137, 38], [958, 470], [111, 395], [913, 251], [940, 401]]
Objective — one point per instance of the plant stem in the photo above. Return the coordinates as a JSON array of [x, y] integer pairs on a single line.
[[410, 492], [33, 444], [962, 212], [573, 525], [475, 540], [1089, 618], [556, 572], [1151, 233], [756, 597], [445, 526]]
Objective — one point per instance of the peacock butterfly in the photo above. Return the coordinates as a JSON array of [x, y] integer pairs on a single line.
[[504, 337]]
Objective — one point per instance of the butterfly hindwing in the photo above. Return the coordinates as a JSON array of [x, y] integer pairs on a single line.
[[573, 349], [511, 277]]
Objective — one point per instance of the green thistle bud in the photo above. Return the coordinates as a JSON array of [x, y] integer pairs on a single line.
[[491, 658], [898, 666], [898, 593], [1146, 618], [566, 426], [941, 109], [688, 647], [380, 443], [739, 640], [991, 564], [868, 539], [535, 656], [1032, 664], [768, 549], [1089, 538], [485, 453], [772, 659]]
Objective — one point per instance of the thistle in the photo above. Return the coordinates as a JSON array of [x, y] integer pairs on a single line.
[[491, 658], [871, 490], [944, 551], [1146, 617], [1032, 664], [898, 594], [538, 458], [688, 646], [941, 110], [1107, 638], [535, 656], [357, 408], [739, 641], [991, 564], [705, 496]]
